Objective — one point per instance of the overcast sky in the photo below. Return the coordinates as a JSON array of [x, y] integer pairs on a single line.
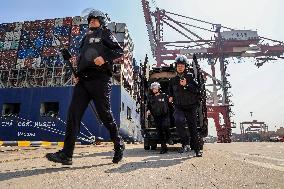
[[259, 90]]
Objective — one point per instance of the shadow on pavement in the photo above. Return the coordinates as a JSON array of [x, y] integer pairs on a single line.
[[42, 170], [150, 159]]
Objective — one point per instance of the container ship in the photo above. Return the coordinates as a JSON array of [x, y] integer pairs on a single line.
[[36, 85]]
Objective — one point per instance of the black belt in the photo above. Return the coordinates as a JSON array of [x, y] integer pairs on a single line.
[[92, 74]]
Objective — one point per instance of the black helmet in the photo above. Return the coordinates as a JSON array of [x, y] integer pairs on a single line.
[[181, 59], [99, 15]]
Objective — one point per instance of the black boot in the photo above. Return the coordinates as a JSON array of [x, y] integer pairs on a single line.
[[164, 149], [198, 153], [184, 149], [118, 153], [59, 157], [170, 141]]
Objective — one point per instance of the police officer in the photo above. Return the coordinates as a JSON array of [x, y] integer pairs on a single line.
[[184, 94], [97, 51], [158, 106]]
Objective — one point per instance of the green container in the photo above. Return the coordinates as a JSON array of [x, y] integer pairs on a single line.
[[14, 45], [1, 45]]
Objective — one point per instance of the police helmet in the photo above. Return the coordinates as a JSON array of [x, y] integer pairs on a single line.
[[155, 85], [102, 17], [181, 59]]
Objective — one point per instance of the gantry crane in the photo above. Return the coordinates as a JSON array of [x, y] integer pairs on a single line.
[[224, 43]]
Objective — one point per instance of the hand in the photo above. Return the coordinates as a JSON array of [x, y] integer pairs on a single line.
[[170, 99], [75, 79], [182, 82], [148, 113], [99, 61]]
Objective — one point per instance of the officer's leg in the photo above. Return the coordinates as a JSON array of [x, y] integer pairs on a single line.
[[79, 103], [191, 117], [166, 128], [159, 122], [101, 98], [180, 122]]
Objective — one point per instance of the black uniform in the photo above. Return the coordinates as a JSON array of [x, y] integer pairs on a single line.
[[102, 43], [158, 106], [185, 99]]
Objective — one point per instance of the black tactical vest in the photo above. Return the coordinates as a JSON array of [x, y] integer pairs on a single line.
[[92, 47], [183, 97], [159, 105]]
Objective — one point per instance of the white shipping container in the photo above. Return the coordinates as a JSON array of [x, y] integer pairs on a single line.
[[9, 36], [120, 27], [17, 35], [7, 45], [111, 26], [20, 63], [18, 26], [120, 37], [76, 20], [58, 22]]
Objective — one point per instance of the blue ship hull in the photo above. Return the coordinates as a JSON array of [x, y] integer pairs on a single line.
[[29, 124]]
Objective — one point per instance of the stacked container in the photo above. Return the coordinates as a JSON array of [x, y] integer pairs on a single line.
[[32, 45]]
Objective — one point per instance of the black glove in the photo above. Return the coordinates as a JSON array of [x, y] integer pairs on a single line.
[[66, 54]]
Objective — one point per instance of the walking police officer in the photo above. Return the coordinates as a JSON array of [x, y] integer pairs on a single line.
[[184, 94], [158, 107], [97, 51]]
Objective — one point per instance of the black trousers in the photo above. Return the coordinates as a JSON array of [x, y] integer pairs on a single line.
[[162, 125], [97, 90], [188, 118]]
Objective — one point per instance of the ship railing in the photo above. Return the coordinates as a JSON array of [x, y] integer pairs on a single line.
[[35, 77]]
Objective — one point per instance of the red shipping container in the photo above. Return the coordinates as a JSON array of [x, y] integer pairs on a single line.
[[49, 23], [5, 55], [28, 62], [2, 36], [27, 25], [65, 40], [67, 21], [37, 24], [33, 34], [33, 25], [49, 33], [11, 26], [75, 30], [13, 54], [42, 24], [49, 51]]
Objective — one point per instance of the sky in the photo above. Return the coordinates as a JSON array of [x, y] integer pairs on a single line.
[[257, 90]]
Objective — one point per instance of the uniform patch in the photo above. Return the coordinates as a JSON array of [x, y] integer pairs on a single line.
[[91, 40], [94, 40], [97, 40]]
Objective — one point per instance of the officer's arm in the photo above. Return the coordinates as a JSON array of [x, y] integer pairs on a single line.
[[80, 49], [82, 42], [148, 103], [167, 97], [115, 50], [170, 89]]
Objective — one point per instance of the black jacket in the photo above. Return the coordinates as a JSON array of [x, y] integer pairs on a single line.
[[184, 96], [158, 105], [100, 42]]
